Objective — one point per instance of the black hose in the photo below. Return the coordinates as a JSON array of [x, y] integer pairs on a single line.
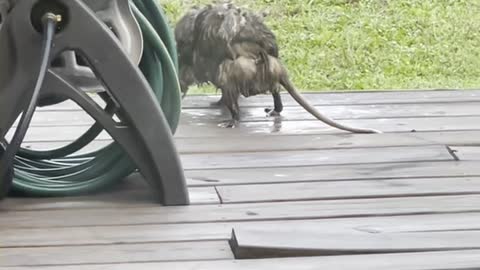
[[49, 21]]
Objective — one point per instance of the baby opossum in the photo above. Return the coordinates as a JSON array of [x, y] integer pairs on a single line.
[[233, 49]]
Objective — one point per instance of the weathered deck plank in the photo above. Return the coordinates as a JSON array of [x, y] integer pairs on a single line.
[[346, 112], [127, 199], [53, 118], [324, 98], [349, 98], [313, 158], [119, 253], [199, 128], [461, 260], [132, 192], [184, 232], [243, 212], [377, 171], [264, 143], [349, 190], [292, 242]]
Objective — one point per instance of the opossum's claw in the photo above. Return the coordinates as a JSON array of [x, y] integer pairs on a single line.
[[229, 124]]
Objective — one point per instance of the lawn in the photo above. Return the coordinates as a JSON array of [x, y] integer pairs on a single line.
[[371, 44]]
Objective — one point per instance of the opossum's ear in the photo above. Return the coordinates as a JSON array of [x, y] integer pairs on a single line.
[[265, 13]]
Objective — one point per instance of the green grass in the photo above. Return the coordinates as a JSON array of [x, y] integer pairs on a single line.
[[371, 44]]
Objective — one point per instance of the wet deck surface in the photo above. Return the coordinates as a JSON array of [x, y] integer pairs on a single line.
[[292, 187]]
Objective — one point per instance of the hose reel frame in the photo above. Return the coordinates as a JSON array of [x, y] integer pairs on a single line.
[[144, 135]]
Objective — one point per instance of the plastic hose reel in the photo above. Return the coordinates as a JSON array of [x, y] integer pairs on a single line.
[[146, 99]]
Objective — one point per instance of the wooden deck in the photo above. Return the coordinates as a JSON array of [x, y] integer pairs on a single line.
[[320, 198]]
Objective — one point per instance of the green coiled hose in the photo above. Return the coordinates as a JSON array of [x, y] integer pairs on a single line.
[[60, 172]]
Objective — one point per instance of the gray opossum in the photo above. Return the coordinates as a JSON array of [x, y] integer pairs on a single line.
[[233, 49]]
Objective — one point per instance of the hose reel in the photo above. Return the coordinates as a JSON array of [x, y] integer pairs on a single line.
[[123, 50]]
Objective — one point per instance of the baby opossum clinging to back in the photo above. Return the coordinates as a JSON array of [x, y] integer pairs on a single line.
[[234, 50]]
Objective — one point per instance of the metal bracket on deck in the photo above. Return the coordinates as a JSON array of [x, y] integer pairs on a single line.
[[143, 131]]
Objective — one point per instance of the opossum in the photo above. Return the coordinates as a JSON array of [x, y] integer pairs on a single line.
[[233, 49]]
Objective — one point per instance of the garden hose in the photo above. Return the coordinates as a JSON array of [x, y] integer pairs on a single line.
[[60, 172]]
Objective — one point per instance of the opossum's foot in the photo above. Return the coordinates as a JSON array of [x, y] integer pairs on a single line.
[[229, 124], [271, 112]]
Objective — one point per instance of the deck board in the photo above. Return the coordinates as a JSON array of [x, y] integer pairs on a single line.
[[314, 158], [132, 192], [243, 212], [126, 253], [272, 127], [185, 232], [49, 118], [294, 242], [220, 177], [469, 259], [266, 143], [348, 190], [414, 187], [130, 198], [350, 98], [325, 98]]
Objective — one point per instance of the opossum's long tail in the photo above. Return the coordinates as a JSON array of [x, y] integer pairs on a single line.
[[288, 85]]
